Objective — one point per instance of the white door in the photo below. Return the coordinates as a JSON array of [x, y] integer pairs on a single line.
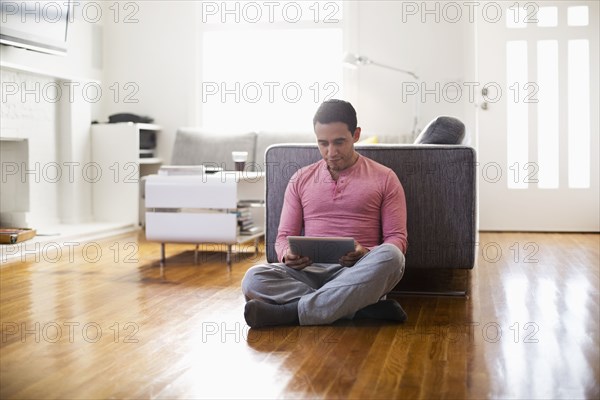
[[537, 67]]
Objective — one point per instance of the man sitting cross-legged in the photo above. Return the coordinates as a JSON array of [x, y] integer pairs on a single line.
[[344, 194]]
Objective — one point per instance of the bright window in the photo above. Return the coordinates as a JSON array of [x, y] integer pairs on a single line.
[[517, 117], [548, 114], [269, 69], [547, 16], [579, 113], [577, 16]]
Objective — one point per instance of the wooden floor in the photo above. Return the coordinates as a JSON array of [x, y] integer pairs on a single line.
[[104, 320]]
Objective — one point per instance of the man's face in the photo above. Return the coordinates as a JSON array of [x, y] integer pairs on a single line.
[[336, 144]]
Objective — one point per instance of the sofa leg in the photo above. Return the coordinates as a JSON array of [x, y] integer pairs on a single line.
[[443, 293], [162, 254], [431, 282], [228, 259], [196, 253]]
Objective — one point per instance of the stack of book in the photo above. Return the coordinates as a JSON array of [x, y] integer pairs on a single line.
[[245, 221]]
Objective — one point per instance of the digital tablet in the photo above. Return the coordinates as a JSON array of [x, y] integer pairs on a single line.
[[327, 250]]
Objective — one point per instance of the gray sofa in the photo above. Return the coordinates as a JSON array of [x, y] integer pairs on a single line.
[[194, 146], [197, 146], [440, 187], [438, 179]]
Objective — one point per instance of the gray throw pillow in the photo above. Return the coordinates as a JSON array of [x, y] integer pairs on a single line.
[[442, 130]]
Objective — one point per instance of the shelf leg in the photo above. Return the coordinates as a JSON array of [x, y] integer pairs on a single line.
[[162, 254], [196, 254], [228, 256]]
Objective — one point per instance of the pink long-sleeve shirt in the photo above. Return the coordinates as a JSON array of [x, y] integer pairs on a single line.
[[366, 202]]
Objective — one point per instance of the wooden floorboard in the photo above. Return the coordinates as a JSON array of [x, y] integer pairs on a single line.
[[111, 322]]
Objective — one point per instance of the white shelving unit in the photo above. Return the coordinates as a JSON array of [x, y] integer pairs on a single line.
[[116, 156], [203, 208]]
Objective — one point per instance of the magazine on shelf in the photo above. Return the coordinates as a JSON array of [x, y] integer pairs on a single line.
[[174, 170]]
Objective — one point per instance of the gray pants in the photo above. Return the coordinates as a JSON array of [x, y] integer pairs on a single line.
[[327, 292]]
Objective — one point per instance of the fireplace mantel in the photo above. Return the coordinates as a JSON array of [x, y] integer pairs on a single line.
[[54, 137]]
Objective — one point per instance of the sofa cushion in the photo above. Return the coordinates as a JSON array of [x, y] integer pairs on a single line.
[[264, 139], [195, 146], [442, 130]]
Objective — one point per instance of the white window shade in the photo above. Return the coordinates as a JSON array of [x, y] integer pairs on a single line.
[[266, 80], [270, 76]]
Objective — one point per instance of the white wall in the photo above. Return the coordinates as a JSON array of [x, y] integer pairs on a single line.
[[158, 55], [437, 52], [43, 102], [152, 62]]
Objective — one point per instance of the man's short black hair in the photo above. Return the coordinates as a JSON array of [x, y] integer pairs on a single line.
[[335, 110]]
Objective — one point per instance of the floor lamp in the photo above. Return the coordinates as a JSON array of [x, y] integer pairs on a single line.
[[356, 60]]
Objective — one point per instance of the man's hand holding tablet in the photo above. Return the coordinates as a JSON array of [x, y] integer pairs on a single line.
[[295, 261], [352, 258], [304, 251]]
